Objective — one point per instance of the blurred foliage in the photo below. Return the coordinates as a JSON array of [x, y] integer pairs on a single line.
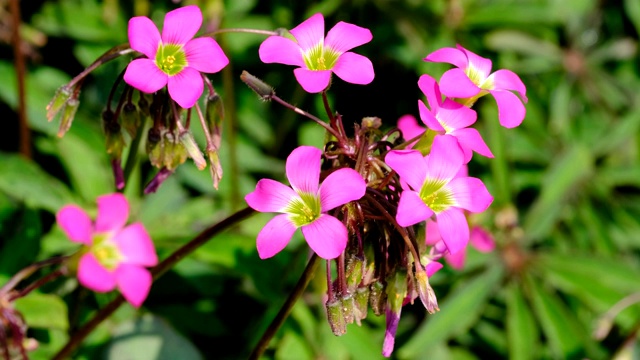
[[566, 182]]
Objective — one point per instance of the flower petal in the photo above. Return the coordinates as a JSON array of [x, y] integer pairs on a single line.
[[410, 165], [482, 240], [511, 111], [428, 118], [477, 64], [341, 187], [432, 235], [144, 36], [354, 68], [136, 246], [409, 127], [449, 55], [270, 196], [205, 55], [453, 115], [392, 320], [303, 169], [113, 212], [454, 229], [144, 75], [508, 80], [278, 49], [274, 236], [186, 87], [134, 283], [310, 32], [181, 25], [94, 276], [344, 37], [470, 194], [432, 268], [456, 260], [445, 158], [470, 139], [411, 209], [456, 84], [313, 81], [431, 90], [75, 223], [327, 236]]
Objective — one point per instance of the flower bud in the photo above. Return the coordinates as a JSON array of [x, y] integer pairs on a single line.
[[189, 143], [144, 104], [396, 290], [348, 308], [59, 101], [426, 293], [214, 115], [157, 180], [362, 303], [68, 113], [372, 122], [260, 87], [335, 315], [130, 119], [354, 273], [215, 168], [377, 298]]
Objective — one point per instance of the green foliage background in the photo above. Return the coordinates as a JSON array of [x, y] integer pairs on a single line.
[[566, 183]]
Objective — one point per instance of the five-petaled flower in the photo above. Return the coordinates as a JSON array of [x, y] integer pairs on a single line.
[[473, 78], [451, 118], [114, 255], [173, 59], [304, 205], [317, 56], [434, 187]]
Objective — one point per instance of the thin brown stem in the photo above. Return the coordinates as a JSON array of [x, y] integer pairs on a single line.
[[18, 60], [36, 284], [304, 113], [286, 308], [27, 271], [157, 271]]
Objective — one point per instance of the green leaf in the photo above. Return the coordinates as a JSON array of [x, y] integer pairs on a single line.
[[43, 311], [522, 333], [293, 347], [22, 234], [27, 182], [458, 312], [150, 338]]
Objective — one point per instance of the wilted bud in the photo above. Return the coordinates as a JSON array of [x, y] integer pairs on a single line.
[[335, 315], [426, 293], [214, 115], [215, 167], [371, 122], [189, 143], [68, 113], [130, 119], [59, 100], [260, 87], [377, 298]]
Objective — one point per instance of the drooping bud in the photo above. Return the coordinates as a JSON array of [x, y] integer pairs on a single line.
[[68, 113], [335, 315], [426, 293], [189, 143], [130, 119], [362, 303], [396, 289], [214, 115], [59, 100], [215, 167], [114, 139], [354, 272], [377, 298], [261, 88], [118, 174], [144, 104], [157, 180], [392, 320], [348, 308]]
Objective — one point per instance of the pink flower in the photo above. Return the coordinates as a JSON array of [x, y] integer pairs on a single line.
[[479, 238], [451, 118], [115, 255], [432, 187], [173, 59], [317, 56], [409, 127], [473, 78], [305, 205]]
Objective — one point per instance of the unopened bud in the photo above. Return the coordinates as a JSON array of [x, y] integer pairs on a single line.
[[396, 290], [377, 298], [362, 303], [349, 308], [214, 115], [215, 168], [130, 119], [68, 113], [260, 87], [335, 315], [426, 293], [354, 272], [118, 174], [175, 153], [59, 100], [189, 143], [157, 180], [371, 122], [144, 104]]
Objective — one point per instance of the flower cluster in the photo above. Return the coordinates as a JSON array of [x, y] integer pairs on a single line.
[[383, 205]]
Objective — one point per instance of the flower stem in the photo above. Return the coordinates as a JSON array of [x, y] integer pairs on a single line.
[[27, 271], [109, 55], [304, 113], [286, 308], [157, 271], [36, 284], [19, 63]]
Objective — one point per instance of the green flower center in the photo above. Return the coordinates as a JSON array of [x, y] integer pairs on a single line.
[[320, 58], [106, 251], [435, 196], [305, 210], [171, 59]]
